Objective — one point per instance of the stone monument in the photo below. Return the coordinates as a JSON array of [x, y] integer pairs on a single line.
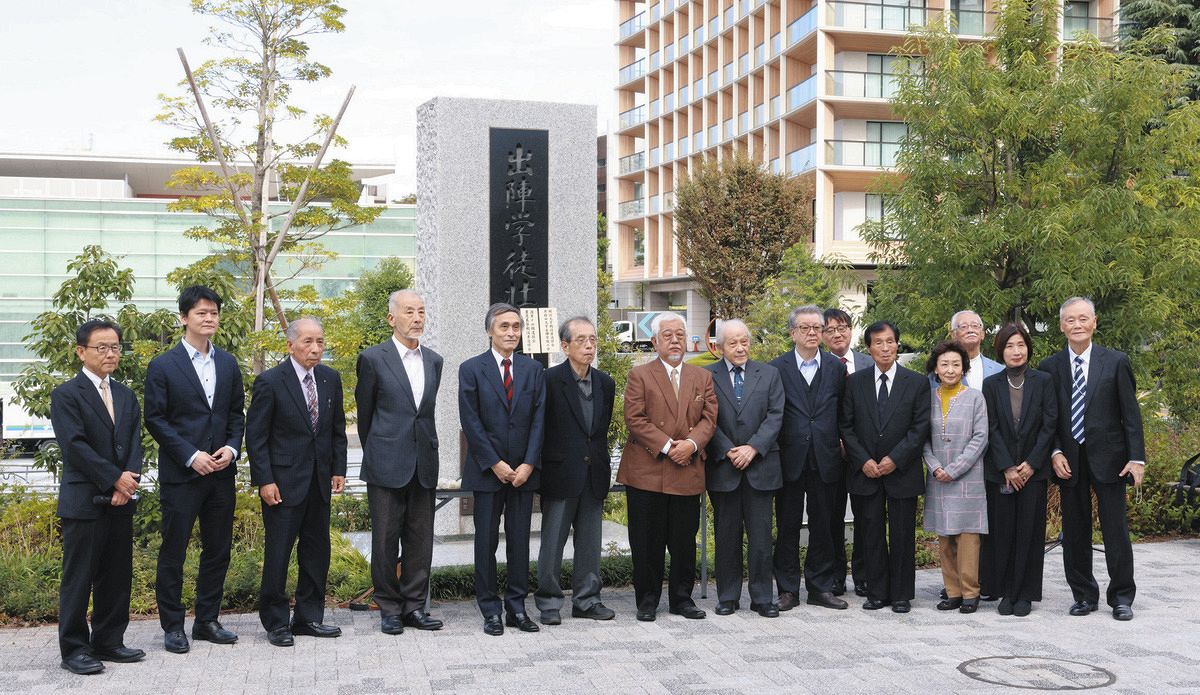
[[506, 211]]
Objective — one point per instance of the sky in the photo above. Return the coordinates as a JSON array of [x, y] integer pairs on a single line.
[[82, 76]]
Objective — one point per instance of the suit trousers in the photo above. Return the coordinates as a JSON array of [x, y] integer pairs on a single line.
[[889, 545], [747, 511], [959, 555], [517, 507], [1018, 530], [661, 523], [211, 501], [307, 523], [97, 562], [585, 515], [1077, 537], [988, 585], [789, 518], [401, 529], [857, 567]]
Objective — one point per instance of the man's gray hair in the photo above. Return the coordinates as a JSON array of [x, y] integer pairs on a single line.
[[957, 314], [564, 329], [293, 329], [394, 297], [665, 317], [803, 310], [1075, 300], [728, 325], [495, 310]]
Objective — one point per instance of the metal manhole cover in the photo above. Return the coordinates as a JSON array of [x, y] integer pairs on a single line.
[[1036, 673]]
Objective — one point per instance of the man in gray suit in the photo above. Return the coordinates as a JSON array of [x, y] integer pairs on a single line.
[[836, 337], [742, 471], [397, 388]]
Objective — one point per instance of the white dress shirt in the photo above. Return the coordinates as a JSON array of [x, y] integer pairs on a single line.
[[808, 368], [415, 368], [96, 381], [974, 376], [206, 371], [891, 379], [301, 373]]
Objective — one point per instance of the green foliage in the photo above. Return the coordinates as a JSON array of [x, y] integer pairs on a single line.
[[1027, 180], [350, 513], [608, 347], [801, 280], [734, 220], [1139, 17]]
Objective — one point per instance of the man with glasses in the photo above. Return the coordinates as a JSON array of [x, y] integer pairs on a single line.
[[966, 328]]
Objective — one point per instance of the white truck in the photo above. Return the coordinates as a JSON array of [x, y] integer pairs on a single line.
[[21, 429], [634, 333]]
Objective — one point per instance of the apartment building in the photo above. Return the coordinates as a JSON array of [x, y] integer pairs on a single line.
[[802, 86]]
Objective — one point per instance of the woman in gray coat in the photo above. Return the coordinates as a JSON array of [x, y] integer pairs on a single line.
[[955, 499]]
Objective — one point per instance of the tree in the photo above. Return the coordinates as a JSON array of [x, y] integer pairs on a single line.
[[733, 222], [1138, 17], [801, 280], [266, 56], [608, 345], [1027, 179]]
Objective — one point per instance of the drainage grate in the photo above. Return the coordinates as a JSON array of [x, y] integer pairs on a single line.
[[1037, 673]]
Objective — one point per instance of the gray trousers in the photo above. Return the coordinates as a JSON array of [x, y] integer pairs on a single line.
[[585, 513]]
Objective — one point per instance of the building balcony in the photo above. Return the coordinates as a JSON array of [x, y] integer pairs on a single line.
[[632, 163], [861, 85], [632, 26], [861, 153], [634, 71], [972, 22], [631, 118], [802, 160], [1076, 27], [631, 209], [802, 27], [801, 94], [861, 15]]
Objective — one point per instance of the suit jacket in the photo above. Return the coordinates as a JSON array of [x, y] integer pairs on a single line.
[[95, 450], [493, 432], [861, 361], [575, 458], [178, 416], [654, 416], [756, 421], [399, 439], [990, 367], [1010, 445], [280, 441], [810, 421], [1112, 421], [899, 432]]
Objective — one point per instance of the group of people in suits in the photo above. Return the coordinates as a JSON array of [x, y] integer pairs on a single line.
[[980, 439]]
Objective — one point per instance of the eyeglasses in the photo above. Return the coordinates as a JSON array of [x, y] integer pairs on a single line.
[[584, 340], [105, 349], [976, 326], [806, 328], [830, 330]]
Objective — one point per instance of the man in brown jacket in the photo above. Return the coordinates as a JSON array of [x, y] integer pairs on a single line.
[[671, 412]]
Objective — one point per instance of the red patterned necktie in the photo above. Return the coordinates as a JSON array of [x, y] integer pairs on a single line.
[[506, 363]]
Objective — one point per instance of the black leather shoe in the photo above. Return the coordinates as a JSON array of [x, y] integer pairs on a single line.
[[211, 631], [860, 589], [1082, 607], [596, 611], [1021, 608], [120, 655], [766, 610], [826, 599], [551, 618], [874, 605], [646, 615], [1123, 612], [316, 630], [391, 625], [1005, 607], [281, 637], [176, 642], [691, 612], [521, 622], [901, 606], [727, 608], [788, 601], [83, 664], [969, 605], [839, 588], [422, 620], [950, 604], [943, 595], [492, 625]]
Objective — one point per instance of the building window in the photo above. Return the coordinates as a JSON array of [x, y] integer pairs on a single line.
[[883, 143], [879, 209], [639, 248]]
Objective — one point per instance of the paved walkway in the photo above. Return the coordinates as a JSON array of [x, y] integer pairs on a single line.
[[807, 650]]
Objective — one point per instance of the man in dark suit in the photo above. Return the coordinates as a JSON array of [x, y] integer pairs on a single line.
[[194, 405], [1100, 445], [742, 471], [502, 404], [98, 425], [296, 441], [671, 412], [576, 474], [396, 394], [810, 450], [836, 336], [884, 423]]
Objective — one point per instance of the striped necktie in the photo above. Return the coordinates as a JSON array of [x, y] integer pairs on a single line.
[[507, 380], [737, 383], [1078, 394]]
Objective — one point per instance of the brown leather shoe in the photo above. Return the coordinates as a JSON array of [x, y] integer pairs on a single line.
[[788, 600]]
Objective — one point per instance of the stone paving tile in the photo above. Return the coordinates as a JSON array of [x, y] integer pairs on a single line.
[[806, 650]]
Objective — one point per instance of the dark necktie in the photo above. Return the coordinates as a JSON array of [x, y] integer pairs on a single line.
[[737, 383], [1078, 395], [506, 363], [310, 393], [844, 360], [883, 393]]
